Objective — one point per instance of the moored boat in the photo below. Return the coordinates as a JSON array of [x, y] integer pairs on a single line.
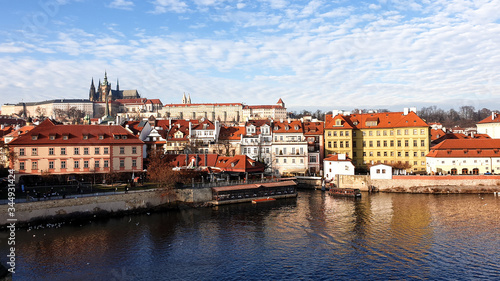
[[345, 192], [263, 200]]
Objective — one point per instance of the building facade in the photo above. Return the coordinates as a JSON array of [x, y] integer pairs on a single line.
[[399, 139], [490, 126], [76, 149], [464, 157], [289, 148]]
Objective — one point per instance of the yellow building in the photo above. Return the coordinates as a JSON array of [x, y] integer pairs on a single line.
[[399, 139]]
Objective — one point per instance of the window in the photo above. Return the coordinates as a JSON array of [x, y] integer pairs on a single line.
[[101, 137], [415, 131], [399, 132], [335, 133], [406, 131], [346, 133], [364, 143], [51, 164], [106, 163], [378, 143], [329, 144], [21, 165], [371, 153], [96, 150], [415, 143], [21, 152], [134, 163], [422, 142], [301, 161], [134, 150], [407, 154], [353, 143], [34, 151], [370, 133], [341, 133], [63, 150], [122, 150], [293, 161], [122, 163], [353, 133], [96, 163], [51, 151], [346, 143], [34, 165], [76, 151], [392, 143], [371, 143], [76, 164], [407, 143], [399, 153], [65, 137], [106, 150], [399, 143], [335, 144], [354, 154], [341, 144], [312, 159], [63, 164], [378, 153], [52, 137], [86, 151], [86, 164], [385, 153], [284, 160], [422, 131], [329, 133]]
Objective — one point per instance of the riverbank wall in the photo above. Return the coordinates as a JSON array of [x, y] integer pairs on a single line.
[[424, 184], [103, 205]]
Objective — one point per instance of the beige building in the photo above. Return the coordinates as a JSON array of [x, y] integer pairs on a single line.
[[49, 108], [76, 149], [223, 112]]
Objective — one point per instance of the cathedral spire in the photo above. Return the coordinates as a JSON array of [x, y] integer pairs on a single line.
[[189, 99], [184, 98], [92, 96], [117, 85]]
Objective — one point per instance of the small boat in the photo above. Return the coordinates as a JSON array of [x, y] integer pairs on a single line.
[[263, 200], [345, 192]]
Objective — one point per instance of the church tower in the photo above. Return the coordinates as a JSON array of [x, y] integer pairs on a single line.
[[189, 99], [105, 88], [92, 93], [184, 98]]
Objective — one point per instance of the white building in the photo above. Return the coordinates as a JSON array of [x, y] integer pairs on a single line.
[[256, 143], [490, 126], [338, 164], [464, 157], [289, 148], [381, 172]]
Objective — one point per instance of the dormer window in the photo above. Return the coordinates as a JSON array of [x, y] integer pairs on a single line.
[[124, 137], [338, 122], [296, 127], [34, 137], [101, 137], [85, 137], [117, 137], [65, 137], [52, 137]]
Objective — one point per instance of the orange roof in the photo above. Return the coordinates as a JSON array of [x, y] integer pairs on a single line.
[[314, 128], [74, 134], [436, 134], [494, 118], [231, 133], [295, 126], [335, 157], [466, 148], [382, 120]]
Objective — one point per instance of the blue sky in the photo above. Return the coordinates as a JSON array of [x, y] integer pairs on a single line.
[[312, 54]]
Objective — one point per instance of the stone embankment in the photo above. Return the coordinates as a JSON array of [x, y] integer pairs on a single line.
[[102, 206], [425, 184]]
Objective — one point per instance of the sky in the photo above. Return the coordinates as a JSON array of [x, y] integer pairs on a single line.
[[312, 54]]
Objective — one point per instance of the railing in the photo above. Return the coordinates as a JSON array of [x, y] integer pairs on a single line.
[[228, 183]]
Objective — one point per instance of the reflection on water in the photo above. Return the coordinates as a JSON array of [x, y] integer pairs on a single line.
[[315, 236]]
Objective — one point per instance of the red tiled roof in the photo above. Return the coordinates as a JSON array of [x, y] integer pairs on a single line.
[[335, 157], [385, 120], [262, 106], [466, 148], [494, 118], [295, 126], [231, 133], [132, 101], [75, 135], [314, 128], [435, 134]]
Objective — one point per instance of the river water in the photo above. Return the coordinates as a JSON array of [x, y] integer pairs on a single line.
[[312, 237]]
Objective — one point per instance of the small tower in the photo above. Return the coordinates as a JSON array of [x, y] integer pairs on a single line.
[[184, 98], [117, 86], [92, 93], [189, 99], [280, 103], [105, 88]]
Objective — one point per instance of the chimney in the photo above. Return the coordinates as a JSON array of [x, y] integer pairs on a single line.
[[189, 128], [405, 112], [2, 127], [493, 115], [288, 120]]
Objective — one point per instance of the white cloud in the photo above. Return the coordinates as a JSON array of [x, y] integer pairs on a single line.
[[122, 4], [164, 6]]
